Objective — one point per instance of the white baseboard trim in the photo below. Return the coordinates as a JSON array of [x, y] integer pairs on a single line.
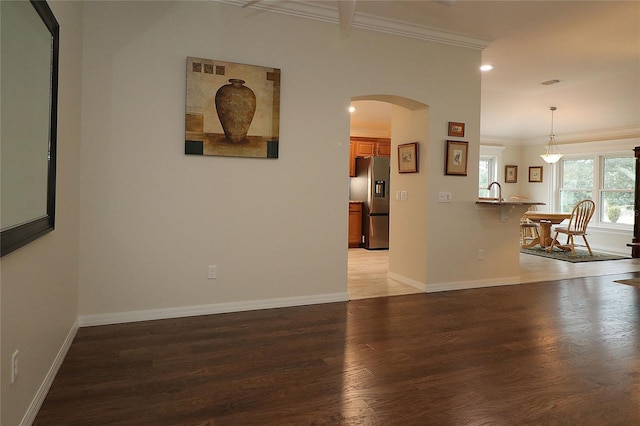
[[405, 280], [618, 251], [220, 308], [39, 397], [454, 285], [463, 285]]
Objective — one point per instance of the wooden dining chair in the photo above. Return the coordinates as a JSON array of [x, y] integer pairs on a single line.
[[529, 230], [580, 217]]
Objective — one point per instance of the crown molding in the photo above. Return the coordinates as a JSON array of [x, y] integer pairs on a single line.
[[598, 135], [499, 141], [324, 13], [491, 150]]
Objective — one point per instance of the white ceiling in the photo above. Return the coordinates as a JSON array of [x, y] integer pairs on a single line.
[[592, 47]]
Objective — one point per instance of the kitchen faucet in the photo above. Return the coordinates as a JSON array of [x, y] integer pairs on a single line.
[[499, 189]]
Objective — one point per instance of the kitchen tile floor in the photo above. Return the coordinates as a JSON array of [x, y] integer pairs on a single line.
[[367, 272]]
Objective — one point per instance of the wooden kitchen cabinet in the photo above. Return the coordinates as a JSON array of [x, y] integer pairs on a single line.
[[367, 147], [355, 224], [352, 159], [383, 148]]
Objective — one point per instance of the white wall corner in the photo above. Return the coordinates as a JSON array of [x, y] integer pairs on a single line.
[[38, 399], [405, 280]]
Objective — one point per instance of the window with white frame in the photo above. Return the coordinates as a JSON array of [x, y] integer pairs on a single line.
[[487, 174], [576, 182], [617, 190], [607, 179]]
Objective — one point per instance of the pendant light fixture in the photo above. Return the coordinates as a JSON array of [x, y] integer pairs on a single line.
[[553, 153]]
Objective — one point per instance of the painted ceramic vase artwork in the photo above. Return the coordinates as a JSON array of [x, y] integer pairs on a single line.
[[236, 106]]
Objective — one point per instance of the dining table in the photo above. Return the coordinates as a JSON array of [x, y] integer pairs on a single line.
[[545, 220]]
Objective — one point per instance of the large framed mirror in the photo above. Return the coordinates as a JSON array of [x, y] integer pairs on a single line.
[[29, 33]]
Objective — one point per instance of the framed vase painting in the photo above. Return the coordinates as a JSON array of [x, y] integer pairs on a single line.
[[232, 110], [456, 158]]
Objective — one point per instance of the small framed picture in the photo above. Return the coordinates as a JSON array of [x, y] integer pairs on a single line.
[[456, 159], [535, 174], [408, 158], [456, 129], [511, 174]]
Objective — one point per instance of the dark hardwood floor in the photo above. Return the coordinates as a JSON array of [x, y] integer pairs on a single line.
[[560, 352]]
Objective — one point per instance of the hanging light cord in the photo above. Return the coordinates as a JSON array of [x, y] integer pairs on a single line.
[[553, 153]]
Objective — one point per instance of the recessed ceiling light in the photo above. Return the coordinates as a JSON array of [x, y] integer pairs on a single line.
[[486, 67], [352, 109]]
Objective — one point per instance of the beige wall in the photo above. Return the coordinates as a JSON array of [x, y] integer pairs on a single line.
[[511, 156], [408, 234], [39, 282], [153, 218]]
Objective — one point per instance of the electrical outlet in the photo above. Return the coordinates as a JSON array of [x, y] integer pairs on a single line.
[[14, 367], [480, 254], [213, 272]]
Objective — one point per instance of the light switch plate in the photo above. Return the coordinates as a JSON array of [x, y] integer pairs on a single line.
[[213, 272], [444, 197]]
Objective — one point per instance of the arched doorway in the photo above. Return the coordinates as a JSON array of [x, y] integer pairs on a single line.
[[397, 120]]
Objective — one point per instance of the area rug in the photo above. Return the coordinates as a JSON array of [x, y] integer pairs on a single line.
[[581, 255], [632, 281]]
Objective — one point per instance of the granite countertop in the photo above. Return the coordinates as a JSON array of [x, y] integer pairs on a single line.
[[515, 201]]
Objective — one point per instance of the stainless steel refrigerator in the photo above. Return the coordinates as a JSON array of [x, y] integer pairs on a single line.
[[371, 186]]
